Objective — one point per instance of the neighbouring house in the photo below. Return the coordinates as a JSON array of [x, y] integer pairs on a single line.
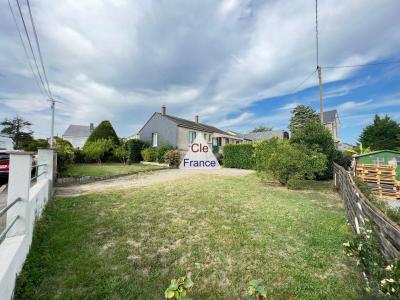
[[78, 134], [261, 135], [180, 133], [382, 157], [331, 121]]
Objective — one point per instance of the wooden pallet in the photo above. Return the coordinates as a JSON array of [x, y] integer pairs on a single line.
[[381, 179]]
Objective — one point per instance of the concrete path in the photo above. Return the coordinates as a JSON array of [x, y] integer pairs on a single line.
[[143, 179]]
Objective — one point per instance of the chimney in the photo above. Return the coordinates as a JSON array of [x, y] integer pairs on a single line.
[[196, 118], [91, 127], [163, 110]]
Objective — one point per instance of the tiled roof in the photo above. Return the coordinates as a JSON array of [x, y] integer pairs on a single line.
[[330, 116], [264, 135], [77, 131], [194, 125]]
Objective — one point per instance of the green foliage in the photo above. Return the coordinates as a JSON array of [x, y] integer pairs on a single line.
[[301, 115], [358, 150], [390, 284], [383, 134], [364, 189], [256, 291], [17, 129], [65, 154], [261, 128], [95, 151], [32, 145], [122, 152], [79, 157], [179, 288], [239, 156], [172, 158], [343, 159], [135, 147], [149, 154], [160, 152], [286, 160], [104, 131], [315, 136]]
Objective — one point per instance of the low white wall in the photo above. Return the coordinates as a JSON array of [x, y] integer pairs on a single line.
[[15, 248]]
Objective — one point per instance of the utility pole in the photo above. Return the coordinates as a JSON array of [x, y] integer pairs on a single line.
[[321, 97], [53, 107]]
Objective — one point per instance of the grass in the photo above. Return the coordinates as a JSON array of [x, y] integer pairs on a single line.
[[130, 244], [105, 169]]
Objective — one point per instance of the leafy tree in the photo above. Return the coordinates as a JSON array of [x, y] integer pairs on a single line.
[[95, 151], [32, 145], [261, 128], [17, 129], [383, 134], [122, 152], [315, 136], [301, 115], [358, 150], [135, 147], [287, 160], [65, 153], [104, 131]]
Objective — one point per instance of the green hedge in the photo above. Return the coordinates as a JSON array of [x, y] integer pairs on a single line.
[[239, 156], [135, 147]]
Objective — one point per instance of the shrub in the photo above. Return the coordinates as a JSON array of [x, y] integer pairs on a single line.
[[104, 131], [316, 136], [161, 150], [220, 158], [121, 152], [179, 288], [285, 160], [95, 151], [172, 158], [239, 156], [65, 154], [343, 159], [149, 154], [135, 147], [79, 157]]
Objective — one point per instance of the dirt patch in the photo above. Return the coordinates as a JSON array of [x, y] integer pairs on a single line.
[[142, 180]]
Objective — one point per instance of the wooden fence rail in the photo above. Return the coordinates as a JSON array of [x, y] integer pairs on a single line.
[[359, 208]]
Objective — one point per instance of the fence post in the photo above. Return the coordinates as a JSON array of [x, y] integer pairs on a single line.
[[46, 157], [19, 181]]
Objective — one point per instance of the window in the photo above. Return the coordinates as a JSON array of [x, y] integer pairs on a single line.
[[219, 141], [192, 136], [154, 139], [226, 141], [205, 136], [378, 160]]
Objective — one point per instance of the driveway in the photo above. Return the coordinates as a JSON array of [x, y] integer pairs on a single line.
[[143, 179]]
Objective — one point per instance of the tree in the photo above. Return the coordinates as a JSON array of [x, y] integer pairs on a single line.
[[383, 134], [122, 152], [316, 136], [65, 153], [97, 149], [32, 145], [261, 128], [301, 115], [104, 131], [17, 129]]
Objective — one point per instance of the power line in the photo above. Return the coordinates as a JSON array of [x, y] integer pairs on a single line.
[[35, 77], [316, 31], [301, 83], [363, 65], [30, 45], [38, 46]]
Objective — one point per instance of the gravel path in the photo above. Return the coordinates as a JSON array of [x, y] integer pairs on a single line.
[[143, 179]]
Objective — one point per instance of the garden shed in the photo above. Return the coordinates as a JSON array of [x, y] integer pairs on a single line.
[[382, 157]]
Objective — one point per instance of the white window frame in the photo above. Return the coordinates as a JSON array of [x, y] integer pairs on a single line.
[[154, 139], [192, 136]]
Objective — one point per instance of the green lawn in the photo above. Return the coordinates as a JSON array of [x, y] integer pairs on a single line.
[[105, 169], [130, 244]]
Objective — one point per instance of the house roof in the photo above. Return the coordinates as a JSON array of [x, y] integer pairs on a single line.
[[330, 116], [77, 131], [193, 125], [263, 135], [376, 152]]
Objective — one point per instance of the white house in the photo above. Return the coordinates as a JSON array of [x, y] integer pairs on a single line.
[[78, 134]]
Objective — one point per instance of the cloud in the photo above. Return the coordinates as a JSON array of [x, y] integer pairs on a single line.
[[120, 60]]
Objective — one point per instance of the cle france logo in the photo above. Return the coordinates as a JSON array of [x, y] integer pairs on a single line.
[[199, 156]]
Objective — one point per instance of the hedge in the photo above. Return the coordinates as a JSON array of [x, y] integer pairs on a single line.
[[135, 147], [239, 156]]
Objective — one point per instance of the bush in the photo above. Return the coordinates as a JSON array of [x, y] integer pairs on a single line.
[[172, 158], [96, 151], [317, 137], [239, 156], [149, 154], [288, 161], [160, 152], [79, 157], [65, 154], [135, 147], [343, 159], [104, 131], [121, 152], [220, 158]]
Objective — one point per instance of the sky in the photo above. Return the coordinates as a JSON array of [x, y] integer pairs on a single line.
[[235, 63]]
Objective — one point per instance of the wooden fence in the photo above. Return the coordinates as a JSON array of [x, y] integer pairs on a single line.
[[359, 208]]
